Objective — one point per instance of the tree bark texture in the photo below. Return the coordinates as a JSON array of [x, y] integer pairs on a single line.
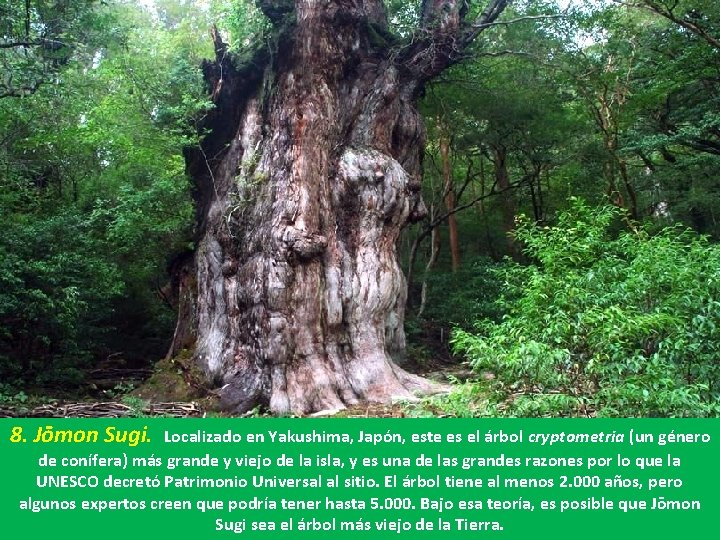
[[294, 298]]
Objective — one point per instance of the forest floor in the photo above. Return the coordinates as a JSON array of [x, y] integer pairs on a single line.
[[174, 389]]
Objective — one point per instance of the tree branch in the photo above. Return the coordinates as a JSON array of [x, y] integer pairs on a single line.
[[493, 191], [516, 20], [22, 91], [31, 43], [668, 13], [486, 19], [16, 44], [443, 35]]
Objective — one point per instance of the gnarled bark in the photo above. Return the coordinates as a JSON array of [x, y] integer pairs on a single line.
[[310, 172]]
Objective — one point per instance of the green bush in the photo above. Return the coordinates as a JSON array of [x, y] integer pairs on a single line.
[[606, 321]]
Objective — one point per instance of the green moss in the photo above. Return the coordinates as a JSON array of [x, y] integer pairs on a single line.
[[176, 379]]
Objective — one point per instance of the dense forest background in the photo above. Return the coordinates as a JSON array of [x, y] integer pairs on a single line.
[[572, 177]]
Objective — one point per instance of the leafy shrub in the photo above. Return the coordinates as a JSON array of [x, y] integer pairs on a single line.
[[613, 324]]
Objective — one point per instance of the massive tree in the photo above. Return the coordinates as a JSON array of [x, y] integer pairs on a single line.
[[293, 297]]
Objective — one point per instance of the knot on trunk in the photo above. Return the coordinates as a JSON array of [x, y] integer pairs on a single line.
[[383, 188], [303, 244], [229, 267]]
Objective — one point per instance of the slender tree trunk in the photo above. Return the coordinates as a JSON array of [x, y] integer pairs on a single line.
[[508, 209], [294, 297], [482, 211], [435, 251], [450, 202], [629, 188], [536, 193]]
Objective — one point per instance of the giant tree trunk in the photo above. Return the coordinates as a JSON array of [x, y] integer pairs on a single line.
[[294, 298]]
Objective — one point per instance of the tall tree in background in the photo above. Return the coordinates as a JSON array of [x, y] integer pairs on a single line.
[[38, 38], [294, 297], [651, 84]]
